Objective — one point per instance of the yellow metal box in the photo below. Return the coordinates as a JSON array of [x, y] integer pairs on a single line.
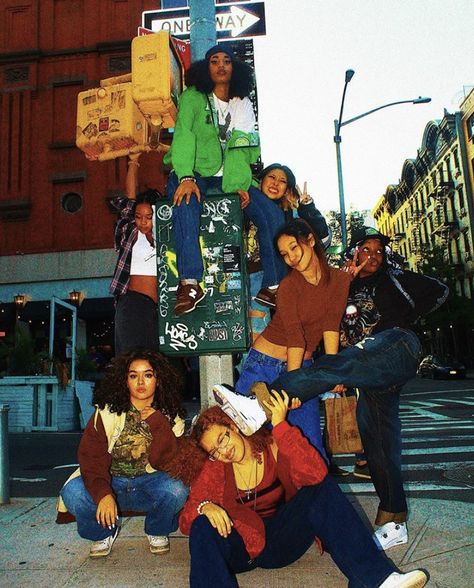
[[157, 77], [109, 123]]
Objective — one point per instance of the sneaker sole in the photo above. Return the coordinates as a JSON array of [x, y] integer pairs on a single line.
[[196, 302], [264, 302], [105, 553], [364, 476], [160, 550], [231, 412]]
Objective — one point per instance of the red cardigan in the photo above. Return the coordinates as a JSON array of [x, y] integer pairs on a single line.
[[298, 465]]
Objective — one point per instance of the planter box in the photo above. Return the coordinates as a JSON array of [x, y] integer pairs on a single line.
[[37, 403]]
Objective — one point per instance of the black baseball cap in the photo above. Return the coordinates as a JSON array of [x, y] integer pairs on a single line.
[[361, 234]]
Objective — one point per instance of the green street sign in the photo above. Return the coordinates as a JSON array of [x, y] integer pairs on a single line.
[[219, 323]]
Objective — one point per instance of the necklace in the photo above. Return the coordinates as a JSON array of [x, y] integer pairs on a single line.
[[224, 116], [247, 484]]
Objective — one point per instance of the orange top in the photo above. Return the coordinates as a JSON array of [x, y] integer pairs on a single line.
[[304, 311]]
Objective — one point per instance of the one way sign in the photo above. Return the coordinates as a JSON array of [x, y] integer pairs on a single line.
[[232, 20]]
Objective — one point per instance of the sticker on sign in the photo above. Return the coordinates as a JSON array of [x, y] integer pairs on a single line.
[[238, 20]]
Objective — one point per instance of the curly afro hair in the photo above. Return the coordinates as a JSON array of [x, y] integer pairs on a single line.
[[113, 390], [241, 82]]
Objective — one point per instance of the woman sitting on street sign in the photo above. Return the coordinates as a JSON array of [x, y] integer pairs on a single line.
[[214, 145]]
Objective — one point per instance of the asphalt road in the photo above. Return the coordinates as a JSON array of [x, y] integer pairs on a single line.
[[438, 447]]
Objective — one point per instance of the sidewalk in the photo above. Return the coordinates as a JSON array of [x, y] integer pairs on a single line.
[[36, 552]]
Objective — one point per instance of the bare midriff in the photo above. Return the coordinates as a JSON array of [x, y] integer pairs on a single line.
[[280, 352], [144, 285]]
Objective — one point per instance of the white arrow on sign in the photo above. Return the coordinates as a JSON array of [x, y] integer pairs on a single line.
[[236, 21]]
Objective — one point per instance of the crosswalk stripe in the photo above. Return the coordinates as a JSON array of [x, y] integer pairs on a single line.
[[436, 450], [410, 486]]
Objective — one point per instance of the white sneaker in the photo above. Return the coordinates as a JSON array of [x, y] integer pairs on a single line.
[[390, 535], [415, 579], [159, 543], [104, 547], [245, 411]]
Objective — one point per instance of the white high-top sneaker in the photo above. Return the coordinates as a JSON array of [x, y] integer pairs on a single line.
[[390, 535], [414, 579], [245, 411]]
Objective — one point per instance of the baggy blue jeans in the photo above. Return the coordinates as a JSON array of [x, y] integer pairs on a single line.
[[315, 511], [259, 367], [186, 224], [156, 494], [379, 365], [267, 216]]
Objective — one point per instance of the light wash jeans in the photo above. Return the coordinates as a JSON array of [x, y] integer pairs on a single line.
[[259, 367], [156, 494]]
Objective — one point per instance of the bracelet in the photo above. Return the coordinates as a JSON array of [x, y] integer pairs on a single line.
[[201, 504], [133, 162], [186, 178]]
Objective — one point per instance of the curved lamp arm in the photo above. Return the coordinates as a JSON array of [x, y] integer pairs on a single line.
[[419, 100]]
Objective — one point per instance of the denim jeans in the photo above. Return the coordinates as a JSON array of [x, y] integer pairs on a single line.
[[321, 511], [259, 367], [136, 322], [186, 225], [379, 365], [268, 217], [157, 495]]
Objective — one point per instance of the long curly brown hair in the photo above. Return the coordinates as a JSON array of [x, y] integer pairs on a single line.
[[113, 390], [191, 457], [215, 416]]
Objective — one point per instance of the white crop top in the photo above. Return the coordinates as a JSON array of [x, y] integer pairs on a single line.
[[143, 257]]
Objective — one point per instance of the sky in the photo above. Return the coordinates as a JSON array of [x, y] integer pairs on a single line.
[[399, 49]]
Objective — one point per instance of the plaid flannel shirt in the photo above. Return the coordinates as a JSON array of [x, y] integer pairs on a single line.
[[125, 236]]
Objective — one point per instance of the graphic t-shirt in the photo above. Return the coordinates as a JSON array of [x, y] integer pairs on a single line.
[[130, 452], [237, 113], [360, 317]]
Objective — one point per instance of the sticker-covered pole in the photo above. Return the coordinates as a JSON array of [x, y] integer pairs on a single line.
[[214, 369]]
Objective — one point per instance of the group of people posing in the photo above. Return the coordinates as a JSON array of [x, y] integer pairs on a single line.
[[250, 484]]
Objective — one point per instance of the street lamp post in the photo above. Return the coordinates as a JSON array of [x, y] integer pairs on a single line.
[[338, 124]]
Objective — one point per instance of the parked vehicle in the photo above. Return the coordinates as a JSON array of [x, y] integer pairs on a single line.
[[434, 367]]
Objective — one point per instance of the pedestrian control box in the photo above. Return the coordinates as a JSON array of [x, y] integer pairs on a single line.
[[219, 323]]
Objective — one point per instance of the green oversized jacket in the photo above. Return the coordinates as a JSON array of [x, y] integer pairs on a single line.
[[196, 146]]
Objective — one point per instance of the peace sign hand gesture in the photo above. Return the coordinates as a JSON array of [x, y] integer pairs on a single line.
[[351, 266], [304, 197]]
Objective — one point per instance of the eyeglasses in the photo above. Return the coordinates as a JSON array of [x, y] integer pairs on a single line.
[[214, 454]]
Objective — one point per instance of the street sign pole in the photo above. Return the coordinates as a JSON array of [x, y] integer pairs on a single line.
[[213, 369]]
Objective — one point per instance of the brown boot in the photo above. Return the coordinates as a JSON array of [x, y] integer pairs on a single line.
[[187, 297], [261, 391]]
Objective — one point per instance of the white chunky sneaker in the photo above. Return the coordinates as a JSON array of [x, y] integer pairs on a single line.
[[245, 411], [415, 579], [159, 543], [104, 547], [390, 535]]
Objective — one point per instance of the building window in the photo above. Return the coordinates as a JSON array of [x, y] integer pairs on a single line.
[[71, 202], [467, 247], [470, 127], [461, 197]]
